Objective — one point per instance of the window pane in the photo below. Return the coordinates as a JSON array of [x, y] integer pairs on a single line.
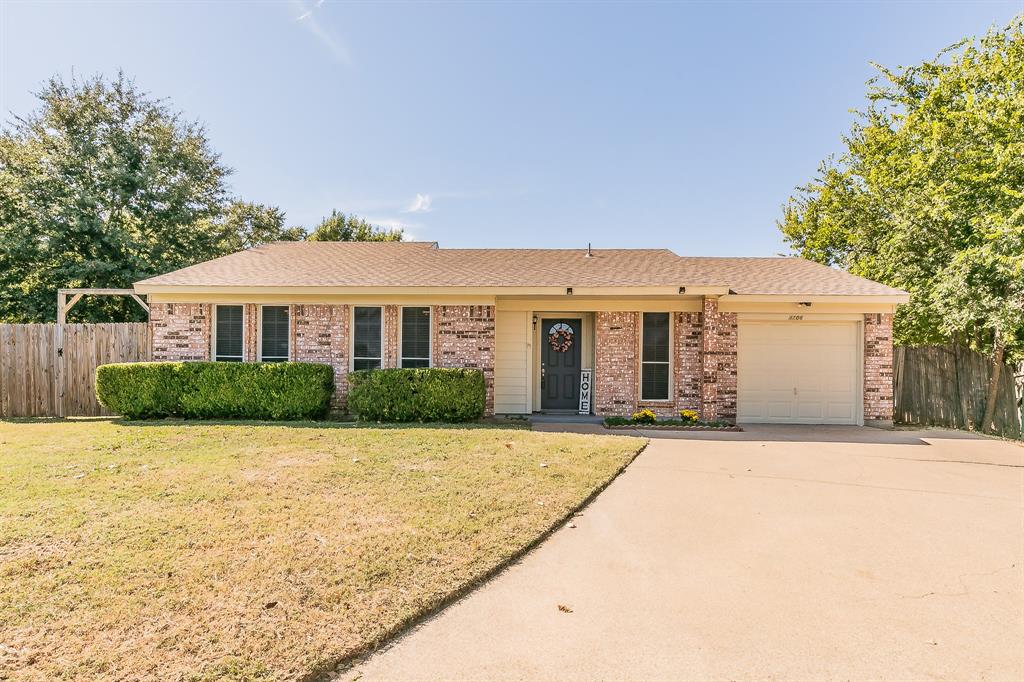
[[654, 384], [229, 333], [275, 333], [366, 339], [655, 337], [415, 337], [364, 363]]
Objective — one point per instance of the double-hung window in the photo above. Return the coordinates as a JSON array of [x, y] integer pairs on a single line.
[[654, 362], [228, 333], [274, 333], [366, 337], [416, 336]]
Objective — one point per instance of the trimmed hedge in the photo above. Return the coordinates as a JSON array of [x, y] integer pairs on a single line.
[[216, 390], [430, 394]]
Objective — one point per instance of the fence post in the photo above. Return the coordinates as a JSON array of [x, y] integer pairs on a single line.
[[58, 366]]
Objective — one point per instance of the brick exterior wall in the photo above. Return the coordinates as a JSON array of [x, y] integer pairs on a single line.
[[251, 322], [320, 334], [389, 352], [180, 331], [878, 372], [689, 353], [697, 359], [464, 337], [704, 351], [719, 344], [616, 349]]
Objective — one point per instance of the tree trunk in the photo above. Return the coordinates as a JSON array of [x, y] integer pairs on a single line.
[[987, 422]]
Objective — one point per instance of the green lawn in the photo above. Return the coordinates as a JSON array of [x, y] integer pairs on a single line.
[[172, 550]]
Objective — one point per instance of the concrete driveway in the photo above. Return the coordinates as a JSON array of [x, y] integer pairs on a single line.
[[780, 552]]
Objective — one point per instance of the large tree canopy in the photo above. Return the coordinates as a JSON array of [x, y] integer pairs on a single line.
[[929, 195], [100, 187], [103, 186], [339, 227], [246, 225]]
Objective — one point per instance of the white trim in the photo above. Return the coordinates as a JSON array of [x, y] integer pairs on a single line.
[[430, 334], [213, 332], [894, 298], [352, 336], [799, 316], [531, 364], [671, 366], [557, 292], [259, 331]]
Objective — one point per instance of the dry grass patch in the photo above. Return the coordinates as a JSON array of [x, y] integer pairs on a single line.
[[256, 551]]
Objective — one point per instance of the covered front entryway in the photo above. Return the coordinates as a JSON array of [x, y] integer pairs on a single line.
[[560, 365], [799, 372]]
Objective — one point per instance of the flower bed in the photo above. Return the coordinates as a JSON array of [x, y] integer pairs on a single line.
[[688, 421]]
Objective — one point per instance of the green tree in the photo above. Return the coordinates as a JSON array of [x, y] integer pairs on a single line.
[[100, 187], [929, 197], [339, 227], [246, 224]]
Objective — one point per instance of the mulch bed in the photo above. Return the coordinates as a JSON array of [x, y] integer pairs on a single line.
[[671, 427]]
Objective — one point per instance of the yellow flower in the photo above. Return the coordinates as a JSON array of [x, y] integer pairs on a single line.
[[644, 416]]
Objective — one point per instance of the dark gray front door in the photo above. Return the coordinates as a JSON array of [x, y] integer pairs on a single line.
[[560, 364]]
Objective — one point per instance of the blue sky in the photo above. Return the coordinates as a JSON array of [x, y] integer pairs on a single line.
[[491, 124]]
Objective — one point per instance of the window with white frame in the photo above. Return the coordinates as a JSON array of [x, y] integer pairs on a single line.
[[228, 333], [274, 333], [416, 336], [366, 337], [654, 361]]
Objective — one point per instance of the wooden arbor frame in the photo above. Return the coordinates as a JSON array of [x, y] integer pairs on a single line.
[[64, 305]]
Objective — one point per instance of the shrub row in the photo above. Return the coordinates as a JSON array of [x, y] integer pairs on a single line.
[[432, 394], [216, 390]]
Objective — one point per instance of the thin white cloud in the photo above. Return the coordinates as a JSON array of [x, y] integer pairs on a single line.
[[421, 204], [409, 230], [305, 15]]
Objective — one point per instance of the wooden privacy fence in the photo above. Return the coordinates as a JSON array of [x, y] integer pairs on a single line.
[[49, 370], [948, 386]]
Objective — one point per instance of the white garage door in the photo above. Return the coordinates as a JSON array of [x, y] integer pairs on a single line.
[[798, 372]]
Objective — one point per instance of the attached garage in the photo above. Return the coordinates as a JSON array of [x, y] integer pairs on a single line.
[[799, 371]]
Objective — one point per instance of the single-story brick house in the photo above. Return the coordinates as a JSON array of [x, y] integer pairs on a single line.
[[606, 331]]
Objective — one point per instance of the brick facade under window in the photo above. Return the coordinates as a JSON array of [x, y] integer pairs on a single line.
[[878, 372], [180, 331], [320, 334], [464, 337]]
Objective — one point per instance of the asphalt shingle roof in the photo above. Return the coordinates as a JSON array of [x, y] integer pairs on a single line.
[[405, 264]]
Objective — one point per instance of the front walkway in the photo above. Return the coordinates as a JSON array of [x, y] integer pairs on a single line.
[[779, 552]]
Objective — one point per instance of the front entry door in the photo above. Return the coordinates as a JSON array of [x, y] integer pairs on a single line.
[[560, 364]]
